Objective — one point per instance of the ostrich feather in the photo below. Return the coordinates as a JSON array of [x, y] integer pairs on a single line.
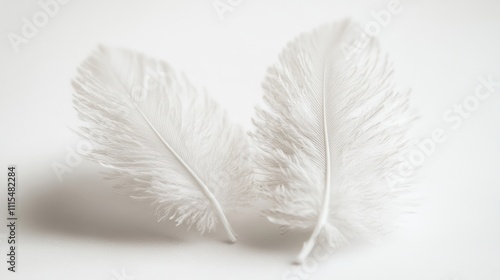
[[332, 129], [160, 140]]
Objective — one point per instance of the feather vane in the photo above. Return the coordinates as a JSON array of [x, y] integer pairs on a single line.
[[161, 141]]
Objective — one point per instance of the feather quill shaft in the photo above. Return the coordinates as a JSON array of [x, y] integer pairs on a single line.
[[323, 214]]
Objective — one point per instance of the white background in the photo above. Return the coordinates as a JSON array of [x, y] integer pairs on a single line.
[[80, 229]]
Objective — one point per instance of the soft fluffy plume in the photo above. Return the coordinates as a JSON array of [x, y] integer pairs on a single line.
[[162, 141], [332, 130]]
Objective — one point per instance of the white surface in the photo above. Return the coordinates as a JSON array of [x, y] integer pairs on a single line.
[[79, 229]]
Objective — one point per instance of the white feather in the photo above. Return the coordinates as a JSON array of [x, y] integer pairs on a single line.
[[162, 141], [333, 129]]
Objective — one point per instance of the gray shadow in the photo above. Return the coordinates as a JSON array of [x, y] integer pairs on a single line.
[[88, 207], [257, 233]]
